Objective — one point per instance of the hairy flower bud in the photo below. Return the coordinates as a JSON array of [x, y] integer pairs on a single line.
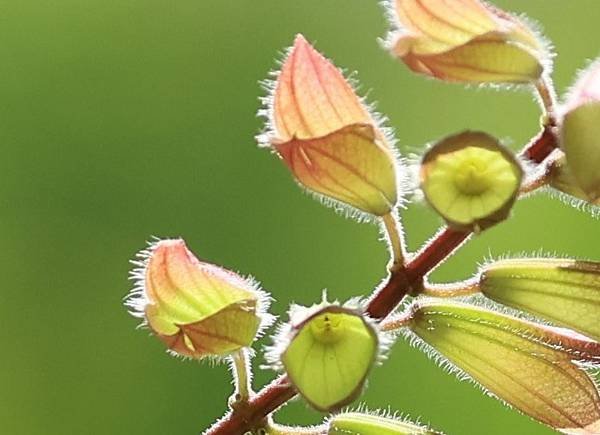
[[361, 423], [197, 309], [532, 367], [562, 179], [471, 180], [326, 136], [466, 41], [566, 292], [580, 136], [327, 352]]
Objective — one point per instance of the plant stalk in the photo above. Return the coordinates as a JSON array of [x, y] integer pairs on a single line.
[[241, 369], [395, 238], [401, 282]]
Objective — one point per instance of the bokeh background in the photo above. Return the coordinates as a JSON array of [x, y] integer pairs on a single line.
[[123, 119]]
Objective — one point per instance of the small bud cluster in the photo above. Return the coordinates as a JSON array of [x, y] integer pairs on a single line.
[[528, 330]]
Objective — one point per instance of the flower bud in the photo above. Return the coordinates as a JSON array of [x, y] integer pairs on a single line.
[[326, 136], [586, 88], [566, 292], [536, 369], [360, 423], [471, 180], [466, 41], [580, 134], [326, 352], [197, 309], [561, 178]]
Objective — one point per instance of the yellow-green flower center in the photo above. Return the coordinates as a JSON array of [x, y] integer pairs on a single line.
[[328, 327], [471, 177]]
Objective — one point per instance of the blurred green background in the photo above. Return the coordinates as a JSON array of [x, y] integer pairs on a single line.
[[123, 119]]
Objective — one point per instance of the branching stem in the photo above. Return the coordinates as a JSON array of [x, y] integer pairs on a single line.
[[401, 281]]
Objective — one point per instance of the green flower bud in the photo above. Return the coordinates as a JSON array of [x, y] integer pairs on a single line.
[[580, 133], [471, 180], [566, 292], [532, 367], [327, 352], [580, 139], [561, 178], [359, 423]]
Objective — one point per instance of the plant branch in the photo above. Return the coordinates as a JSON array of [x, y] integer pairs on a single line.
[[456, 289], [535, 184], [547, 95], [395, 238], [400, 321], [400, 282], [241, 369], [410, 278], [277, 429]]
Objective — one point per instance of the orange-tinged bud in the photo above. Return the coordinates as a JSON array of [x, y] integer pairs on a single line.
[[312, 98], [580, 136], [349, 165], [466, 41], [197, 309], [326, 136]]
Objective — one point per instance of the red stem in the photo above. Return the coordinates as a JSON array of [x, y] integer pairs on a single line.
[[541, 146], [399, 284]]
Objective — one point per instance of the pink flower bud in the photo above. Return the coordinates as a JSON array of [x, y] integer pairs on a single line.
[[466, 41], [586, 89], [326, 136], [197, 309]]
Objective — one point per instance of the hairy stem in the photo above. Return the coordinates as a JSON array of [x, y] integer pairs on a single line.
[[241, 368], [456, 289], [410, 278], [535, 184], [395, 238], [400, 282], [277, 429], [396, 322], [547, 95]]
